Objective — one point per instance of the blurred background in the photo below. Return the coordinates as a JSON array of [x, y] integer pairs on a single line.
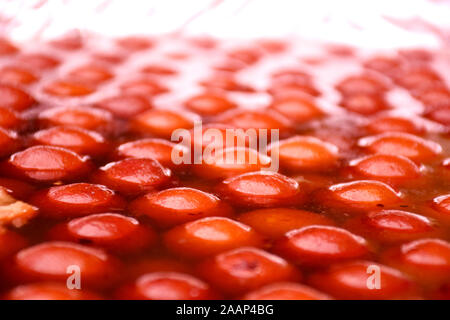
[[371, 24]]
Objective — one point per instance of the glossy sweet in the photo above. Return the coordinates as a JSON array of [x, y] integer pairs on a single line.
[[244, 269], [182, 168], [125, 106], [46, 164], [166, 286], [426, 260], [77, 199], [15, 98], [401, 144], [393, 226], [320, 245], [209, 236], [178, 205], [84, 117], [261, 189], [350, 280], [153, 148], [360, 195], [133, 176], [303, 153], [48, 291], [209, 104], [49, 261], [76, 139], [161, 123], [111, 231], [275, 222], [286, 291]]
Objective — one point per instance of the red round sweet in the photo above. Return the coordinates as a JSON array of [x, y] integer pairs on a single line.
[[442, 204], [10, 243], [7, 48], [230, 65], [393, 226], [158, 70], [418, 78], [255, 119], [17, 188], [84, 117], [246, 55], [9, 142], [228, 162], [434, 97], [38, 61], [125, 106], [297, 108], [178, 205], [427, 260], [275, 222], [111, 231], [50, 261], [9, 119], [135, 43], [15, 98], [68, 88], [79, 140], [305, 153], [143, 87], [47, 164], [161, 123], [216, 136], [281, 89], [385, 65], [261, 189], [273, 45], [362, 84], [166, 286], [16, 76], [225, 83], [416, 55], [393, 124], [133, 176], [70, 42], [76, 200], [401, 144], [287, 76], [48, 291], [152, 148], [108, 57], [350, 280], [209, 104], [364, 104], [387, 168], [361, 194], [241, 270], [440, 115], [203, 42], [340, 50], [209, 236], [90, 74], [320, 246], [286, 291]]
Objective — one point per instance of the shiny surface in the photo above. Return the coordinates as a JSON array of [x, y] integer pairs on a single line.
[[362, 180]]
